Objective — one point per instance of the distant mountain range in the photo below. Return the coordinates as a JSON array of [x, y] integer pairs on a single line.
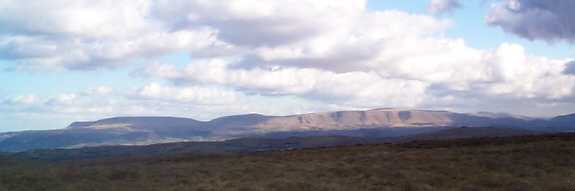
[[377, 123]]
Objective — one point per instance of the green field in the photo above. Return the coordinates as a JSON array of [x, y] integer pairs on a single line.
[[520, 163]]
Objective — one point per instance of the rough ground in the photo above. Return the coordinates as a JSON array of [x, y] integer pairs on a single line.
[[520, 163]]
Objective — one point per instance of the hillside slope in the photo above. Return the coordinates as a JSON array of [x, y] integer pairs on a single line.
[[533, 163], [386, 122]]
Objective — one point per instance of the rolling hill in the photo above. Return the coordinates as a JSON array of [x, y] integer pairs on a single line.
[[259, 144], [386, 122]]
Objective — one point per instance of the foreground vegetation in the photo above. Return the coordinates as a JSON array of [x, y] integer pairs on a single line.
[[521, 163]]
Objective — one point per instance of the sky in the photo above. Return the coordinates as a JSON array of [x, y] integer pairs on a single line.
[[75, 60]]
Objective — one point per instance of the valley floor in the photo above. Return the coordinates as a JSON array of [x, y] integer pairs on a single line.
[[520, 163]]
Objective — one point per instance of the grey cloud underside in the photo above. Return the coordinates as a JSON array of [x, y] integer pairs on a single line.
[[102, 34], [570, 69], [549, 20]]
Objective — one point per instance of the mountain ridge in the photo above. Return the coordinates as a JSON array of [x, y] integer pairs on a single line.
[[382, 121]]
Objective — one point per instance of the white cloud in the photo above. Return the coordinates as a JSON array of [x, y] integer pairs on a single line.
[[363, 89], [305, 55], [64, 99], [192, 95], [84, 54], [354, 46], [386, 58], [90, 35], [261, 23], [79, 18], [100, 90], [527, 76], [443, 6], [154, 99], [23, 100]]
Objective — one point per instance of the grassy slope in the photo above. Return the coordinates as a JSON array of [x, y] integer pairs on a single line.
[[530, 163]]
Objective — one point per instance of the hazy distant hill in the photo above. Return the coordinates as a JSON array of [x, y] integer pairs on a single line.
[[469, 132], [385, 122], [564, 123]]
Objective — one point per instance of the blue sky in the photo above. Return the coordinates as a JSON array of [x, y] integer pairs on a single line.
[[50, 75]]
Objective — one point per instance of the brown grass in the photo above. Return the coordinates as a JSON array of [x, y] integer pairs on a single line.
[[544, 163]]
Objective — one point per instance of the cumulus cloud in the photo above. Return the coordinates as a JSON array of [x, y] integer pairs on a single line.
[[351, 88], [192, 95], [82, 54], [382, 58], [524, 76], [353, 47], [369, 65], [298, 56], [261, 23], [536, 20], [443, 6], [89, 35], [81, 18], [505, 72]]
